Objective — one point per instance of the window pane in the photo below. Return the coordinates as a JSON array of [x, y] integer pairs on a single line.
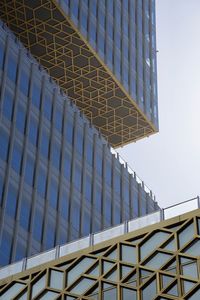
[[36, 94], [24, 83], [20, 118], [44, 143], [41, 182], [33, 131], [55, 155], [4, 144], [8, 105], [12, 68], [1, 55], [5, 248], [25, 213], [37, 225], [47, 107], [77, 177], [29, 170], [53, 193], [11, 201], [16, 157]]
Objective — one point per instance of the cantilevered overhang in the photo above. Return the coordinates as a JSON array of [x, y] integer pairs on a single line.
[[56, 43]]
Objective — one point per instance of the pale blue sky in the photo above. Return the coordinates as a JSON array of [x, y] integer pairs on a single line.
[[169, 162]]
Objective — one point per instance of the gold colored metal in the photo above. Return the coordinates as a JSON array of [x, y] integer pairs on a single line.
[[70, 60], [95, 274]]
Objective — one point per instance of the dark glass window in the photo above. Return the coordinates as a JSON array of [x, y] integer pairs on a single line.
[[107, 208], [50, 234], [24, 83], [8, 104], [37, 225], [88, 188], [62, 236], [84, 19], [108, 174], [55, 155], [67, 166], [21, 118], [58, 118], [77, 177], [1, 188], [75, 215], [74, 7], [29, 170], [20, 251], [64, 204], [4, 140], [11, 201], [5, 248], [99, 162], [1, 55], [36, 94], [98, 198], [117, 219], [44, 144], [12, 68], [86, 224], [53, 193], [89, 152], [16, 157], [47, 107], [69, 131], [135, 202], [41, 182], [33, 131], [79, 140], [117, 182], [25, 213], [126, 193], [93, 7]]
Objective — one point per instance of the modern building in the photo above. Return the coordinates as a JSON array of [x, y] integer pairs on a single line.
[[154, 262], [59, 178], [102, 53]]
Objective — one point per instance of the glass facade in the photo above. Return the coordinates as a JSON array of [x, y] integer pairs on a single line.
[[58, 178], [155, 263], [122, 32]]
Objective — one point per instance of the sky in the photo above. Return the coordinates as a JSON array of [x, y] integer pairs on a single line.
[[169, 161]]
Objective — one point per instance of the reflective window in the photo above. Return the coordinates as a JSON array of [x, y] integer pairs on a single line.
[[4, 140], [16, 157], [82, 286], [24, 82], [108, 174], [5, 248], [55, 155], [8, 104], [25, 210], [69, 130], [58, 119], [99, 162], [98, 198], [1, 188], [21, 118], [149, 292], [37, 225], [20, 251], [128, 294], [194, 248], [12, 68], [41, 182], [11, 201], [1, 55], [53, 193], [75, 215], [33, 131], [128, 254], [44, 143], [77, 177], [186, 234], [107, 208], [74, 7], [89, 152], [56, 279], [79, 140], [67, 166], [158, 260], [50, 234], [47, 107], [36, 94], [117, 182], [88, 188], [64, 204], [29, 170]]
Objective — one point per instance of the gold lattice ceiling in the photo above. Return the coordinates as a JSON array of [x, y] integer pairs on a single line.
[[158, 262], [59, 47]]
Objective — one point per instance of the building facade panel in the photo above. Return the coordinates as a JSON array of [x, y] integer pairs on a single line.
[[58, 177], [160, 261]]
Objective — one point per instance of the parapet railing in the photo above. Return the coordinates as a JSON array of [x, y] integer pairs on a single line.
[[105, 235], [131, 171]]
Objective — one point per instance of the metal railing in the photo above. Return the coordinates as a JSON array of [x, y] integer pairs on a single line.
[[132, 172], [96, 238]]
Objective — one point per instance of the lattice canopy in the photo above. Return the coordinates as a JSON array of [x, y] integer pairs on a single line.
[[55, 42]]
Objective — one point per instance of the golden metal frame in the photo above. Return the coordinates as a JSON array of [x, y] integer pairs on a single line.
[[138, 275], [52, 38]]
